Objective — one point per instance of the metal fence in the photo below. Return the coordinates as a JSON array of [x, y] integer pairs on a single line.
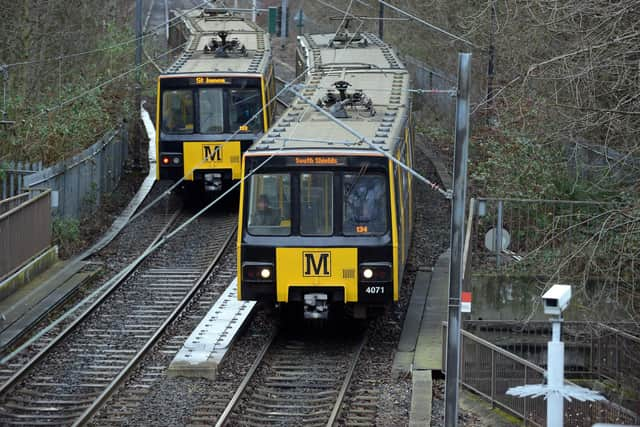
[[592, 349], [12, 175], [428, 78], [490, 371], [523, 235], [25, 228], [78, 183]]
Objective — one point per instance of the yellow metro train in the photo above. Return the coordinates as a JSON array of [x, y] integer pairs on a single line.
[[212, 103], [325, 219]]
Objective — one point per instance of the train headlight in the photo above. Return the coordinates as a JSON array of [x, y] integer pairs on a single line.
[[376, 272], [257, 272]]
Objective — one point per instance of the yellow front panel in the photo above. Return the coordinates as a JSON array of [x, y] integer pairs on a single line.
[[320, 267], [206, 155]]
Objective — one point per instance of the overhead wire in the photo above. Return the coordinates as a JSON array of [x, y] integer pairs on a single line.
[[412, 17], [433, 185], [126, 270], [149, 33], [181, 180], [95, 88]]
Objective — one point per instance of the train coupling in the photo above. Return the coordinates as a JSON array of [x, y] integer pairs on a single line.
[[316, 306], [213, 181]]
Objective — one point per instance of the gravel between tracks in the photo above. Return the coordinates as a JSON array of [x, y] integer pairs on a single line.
[[186, 401]]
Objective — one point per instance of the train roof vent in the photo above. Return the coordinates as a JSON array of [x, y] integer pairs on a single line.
[[344, 38], [225, 48], [217, 9], [337, 103]]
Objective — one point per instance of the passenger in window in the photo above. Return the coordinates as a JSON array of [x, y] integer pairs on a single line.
[[376, 207], [366, 206], [264, 214]]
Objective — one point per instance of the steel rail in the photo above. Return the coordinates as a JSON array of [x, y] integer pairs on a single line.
[[107, 289], [111, 388], [345, 384], [279, 100], [243, 385]]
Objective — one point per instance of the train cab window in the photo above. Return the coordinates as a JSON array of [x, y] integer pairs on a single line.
[[316, 204], [244, 104], [177, 111], [365, 205], [211, 103], [269, 210]]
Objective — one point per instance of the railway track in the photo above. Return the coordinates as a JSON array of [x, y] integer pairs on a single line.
[[35, 339], [123, 406], [106, 341], [295, 382]]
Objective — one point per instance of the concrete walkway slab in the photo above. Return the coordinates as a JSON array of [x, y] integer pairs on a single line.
[[428, 354], [403, 359], [33, 301], [209, 342], [421, 397]]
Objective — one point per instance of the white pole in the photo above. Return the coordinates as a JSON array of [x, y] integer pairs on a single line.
[[555, 380], [253, 14]]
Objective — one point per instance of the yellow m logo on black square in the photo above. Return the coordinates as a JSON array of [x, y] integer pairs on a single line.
[[316, 264]]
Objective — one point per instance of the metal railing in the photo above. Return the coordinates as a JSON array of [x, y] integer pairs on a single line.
[[538, 232], [490, 371], [25, 228], [79, 182], [592, 349], [427, 78], [12, 175]]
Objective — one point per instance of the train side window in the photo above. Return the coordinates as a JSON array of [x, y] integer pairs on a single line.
[[177, 111], [365, 205], [316, 204], [269, 205], [211, 103]]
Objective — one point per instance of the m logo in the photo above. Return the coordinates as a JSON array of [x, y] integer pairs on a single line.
[[213, 153], [316, 264]]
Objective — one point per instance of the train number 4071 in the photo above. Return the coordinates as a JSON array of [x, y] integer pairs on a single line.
[[374, 290]]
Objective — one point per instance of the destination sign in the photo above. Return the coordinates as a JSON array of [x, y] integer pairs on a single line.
[[318, 161], [212, 81]]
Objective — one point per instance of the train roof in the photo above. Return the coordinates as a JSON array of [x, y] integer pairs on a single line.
[[202, 27], [380, 117], [323, 50]]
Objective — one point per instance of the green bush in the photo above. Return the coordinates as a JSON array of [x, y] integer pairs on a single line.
[[66, 232]]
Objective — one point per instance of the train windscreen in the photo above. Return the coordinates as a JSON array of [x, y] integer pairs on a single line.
[[189, 109], [365, 205], [364, 201], [269, 205]]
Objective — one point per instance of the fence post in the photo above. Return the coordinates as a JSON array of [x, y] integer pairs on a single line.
[[4, 186], [524, 406], [499, 233], [20, 173], [493, 377]]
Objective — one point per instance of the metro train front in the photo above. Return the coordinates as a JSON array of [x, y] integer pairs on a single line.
[[325, 219]]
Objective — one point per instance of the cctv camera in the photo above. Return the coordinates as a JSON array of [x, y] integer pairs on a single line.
[[556, 299]]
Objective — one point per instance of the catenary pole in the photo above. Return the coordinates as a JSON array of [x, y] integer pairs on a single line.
[[283, 23], [166, 19], [381, 22], [457, 239]]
